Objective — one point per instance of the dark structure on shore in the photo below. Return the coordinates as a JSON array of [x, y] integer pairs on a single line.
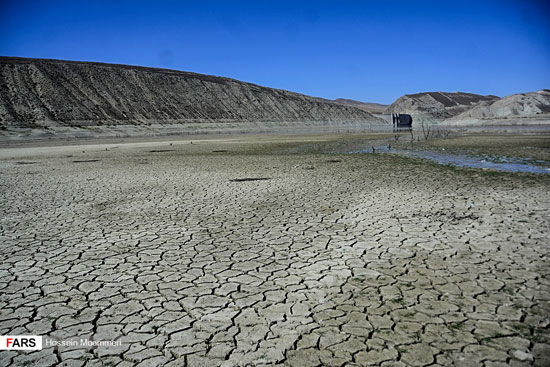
[[401, 122]]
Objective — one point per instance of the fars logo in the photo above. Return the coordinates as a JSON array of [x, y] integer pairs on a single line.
[[20, 342]]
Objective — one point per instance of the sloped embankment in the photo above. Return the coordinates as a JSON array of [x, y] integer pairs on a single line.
[[36, 92]]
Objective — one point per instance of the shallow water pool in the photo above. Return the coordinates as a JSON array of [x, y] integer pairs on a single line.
[[493, 162]]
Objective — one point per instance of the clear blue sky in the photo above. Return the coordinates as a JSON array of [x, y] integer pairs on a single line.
[[366, 50]]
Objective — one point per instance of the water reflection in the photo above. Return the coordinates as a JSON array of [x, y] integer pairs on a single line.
[[494, 162]]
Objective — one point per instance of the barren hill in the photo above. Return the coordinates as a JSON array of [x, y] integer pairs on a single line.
[[366, 106], [39, 92], [437, 105], [515, 105]]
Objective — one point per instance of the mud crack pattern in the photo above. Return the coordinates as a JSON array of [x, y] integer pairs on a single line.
[[368, 260]]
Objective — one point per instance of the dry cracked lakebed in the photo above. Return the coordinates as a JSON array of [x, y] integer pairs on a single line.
[[186, 261]]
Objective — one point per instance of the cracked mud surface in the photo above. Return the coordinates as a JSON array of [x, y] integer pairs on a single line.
[[336, 260]]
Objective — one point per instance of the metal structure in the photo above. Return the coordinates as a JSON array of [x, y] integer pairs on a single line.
[[401, 122]]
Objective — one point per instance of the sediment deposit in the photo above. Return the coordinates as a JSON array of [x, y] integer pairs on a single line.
[[237, 252]]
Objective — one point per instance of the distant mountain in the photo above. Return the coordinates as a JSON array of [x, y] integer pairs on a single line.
[[437, 105], [515, 105], [366, 106], [39, 92]]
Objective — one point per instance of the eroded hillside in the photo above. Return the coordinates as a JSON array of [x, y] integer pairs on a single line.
[[515, 105], [35, 92], [437, 105]]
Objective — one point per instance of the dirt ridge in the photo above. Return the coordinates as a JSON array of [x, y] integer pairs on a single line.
[[45, 92]]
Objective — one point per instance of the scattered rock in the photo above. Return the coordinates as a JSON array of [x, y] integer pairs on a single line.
[[523, 356]]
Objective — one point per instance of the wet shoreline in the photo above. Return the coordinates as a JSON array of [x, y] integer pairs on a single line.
[[484, 161]]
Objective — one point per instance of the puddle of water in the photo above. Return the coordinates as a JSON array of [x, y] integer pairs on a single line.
[[493, 162]]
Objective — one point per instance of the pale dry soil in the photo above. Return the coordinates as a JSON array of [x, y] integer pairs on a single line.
[[330, 260]]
